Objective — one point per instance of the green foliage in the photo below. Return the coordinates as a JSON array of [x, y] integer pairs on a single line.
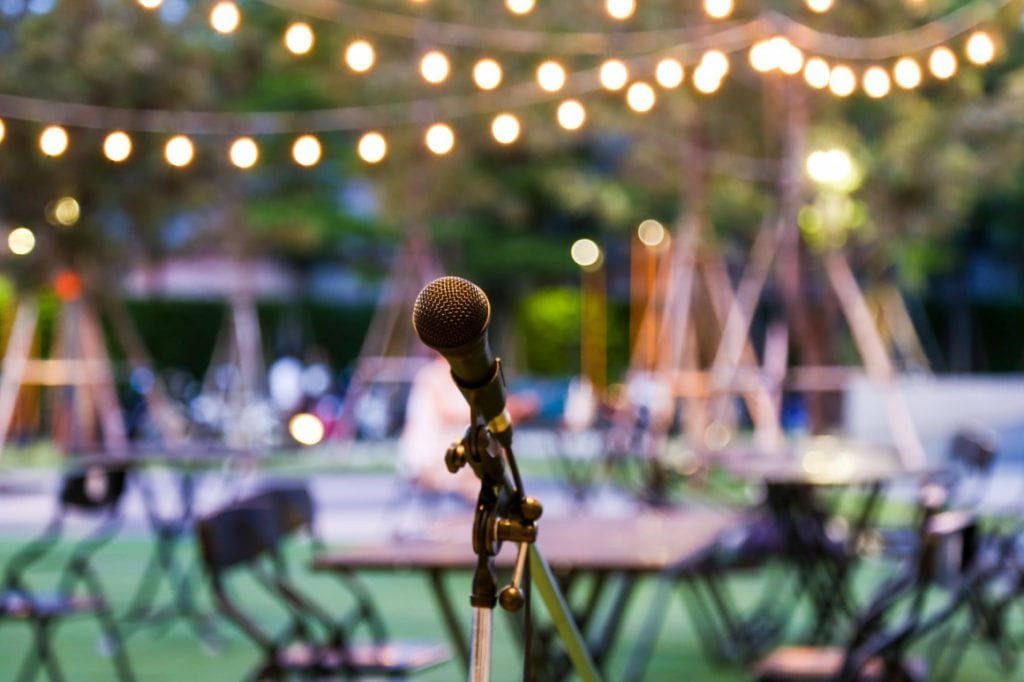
[[549, 323]]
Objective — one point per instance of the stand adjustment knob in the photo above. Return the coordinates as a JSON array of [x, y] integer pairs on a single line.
[[532, 508], [511, 598]]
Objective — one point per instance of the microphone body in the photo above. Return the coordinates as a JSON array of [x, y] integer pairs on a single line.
[[451, 316]]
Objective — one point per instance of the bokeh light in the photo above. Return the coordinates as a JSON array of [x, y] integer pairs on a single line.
[[669, 73], [225, 17], [718, 9], [150, 4], [791, 58], [716, 61], [819, 6], [505, 128], [831, 167], [641, 97], [434, 67], [585, 253], [520, 6], [3, 130], [571, 114], [613, 74], [440, 139], [306, 150], [817, 73], [53, 141], [620, 10], [706, 80], [117, 146], [487, 74], [244, 153], [179, 151], [551, 76], [21, 241], [763, 56], [360, 56], [980, 48], [876, 82], [298, 38], [942, 63], [372, 147], [66, 211], [842, 81], [907, 73], [306, 428], [651, 233]]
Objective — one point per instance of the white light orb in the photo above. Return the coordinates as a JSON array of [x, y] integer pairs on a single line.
[[225, 17], [585, 253], [641, 97], [620, 10], [718, 9], [842, 81], [942, 63], [21, 241], [505, 128], [435, 67], [669, 73], [306, 150], [150, 4], [440, 139], [53, 141], [763, 56], [651, 233], [179, 151], [3, 130], [907, 73], [299, 38], [571, 114], [372, 147], [876, 82], [117, 146], [244, 153], [487, 74], [613, 74], [520, 7], [980, 48], [820, 6], [551, 76], [791, 58], [817, 73], [830, 167], [67, 211], [716, 61], [306, 429], [360, 56], [706, 80]]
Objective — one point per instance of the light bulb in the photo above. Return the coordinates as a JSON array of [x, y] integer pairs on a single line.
[[706, 79], [298, 38], [942, 63], [520, 6], [718, 9], [150, 4], [3, 130], [585, 253], [613, 74], [306, 428], [651, 233], [440, 139], [244, 153], [505, 128], [225, 17], [551, 76], [21, 241], [716, 61], [791, 58], [487, 74], [571, 115], [372, 147], [360, 56], [669, 73], [53, 141], [620, 10], [179, 151], [819, 6], [117, 146], [763, 56], [817, 73], [66, 211], [980, 48], [434, 67], [842, 81], [907, 73], [640, 97], [306, 150], [876, 82]]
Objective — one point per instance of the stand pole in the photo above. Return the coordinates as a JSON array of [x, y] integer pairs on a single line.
[[480, 654], [561, 617]]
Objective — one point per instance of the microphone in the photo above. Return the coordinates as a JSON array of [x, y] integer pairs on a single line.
[[451, 315]]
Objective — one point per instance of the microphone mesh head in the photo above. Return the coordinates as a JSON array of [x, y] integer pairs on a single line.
[[450, 312]]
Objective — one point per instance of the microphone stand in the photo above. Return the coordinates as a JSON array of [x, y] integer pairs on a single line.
[[505, 514]]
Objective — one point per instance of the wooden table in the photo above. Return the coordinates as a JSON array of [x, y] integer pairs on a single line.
[[610, 550]]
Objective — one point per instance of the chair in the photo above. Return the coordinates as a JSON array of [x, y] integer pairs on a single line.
[[96, 492], [248, 535]]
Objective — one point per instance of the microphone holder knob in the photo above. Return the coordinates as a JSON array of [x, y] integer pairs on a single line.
[[511, 598], [532, 509]]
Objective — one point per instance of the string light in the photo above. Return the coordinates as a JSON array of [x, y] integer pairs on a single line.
[[505, 128], [299, 38], [640, 97], [372, 147], [306, 429], [706, 79], [620, 10], [306, 150], [585, 253], [831, 167], [53, 141], [907, 73], [225, 17], [440, 139], [842, 81], [669, 73], [791, 59], [551, 76], [571, 115], [716, 61], [244, 153], [487, 74], [360, 56], [817, 73], [66, 211], [763, 56], [819, 6], [520, 7], [718, 9], [876, 82], [980, 48], [21, 241], [434, 67], [3, 130], [651, 233], [117, 146], [150, 4], [613, 74], [179, 151], [942, 63]]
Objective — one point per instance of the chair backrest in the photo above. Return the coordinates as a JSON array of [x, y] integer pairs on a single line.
[[95, 488], [237, 535]]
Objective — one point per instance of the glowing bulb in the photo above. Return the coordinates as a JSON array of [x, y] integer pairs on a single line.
[[651, 233], [244, 153], [306, 151], [876, 82], [434, 67], [830, 167], [117, 146], [440, 139], [640, 97], [225, 17], [980, 48], [613, 74], [716, 62], [819, 6], [718, 9], [66, 211], [359, 56], [620, 10], [571, 115], [21, 241], [842, 81], [907, 73], [942, 63], [150, 4], [551, 76], [791, 59], [306, 429], [53, 141], [505, 128], [520, 6], [299, 38], [706, 79], [669, 73], [3, 130], [763, 56], [585, 253], [372, 147], [179, 151], [487, 74], [817, 73]]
